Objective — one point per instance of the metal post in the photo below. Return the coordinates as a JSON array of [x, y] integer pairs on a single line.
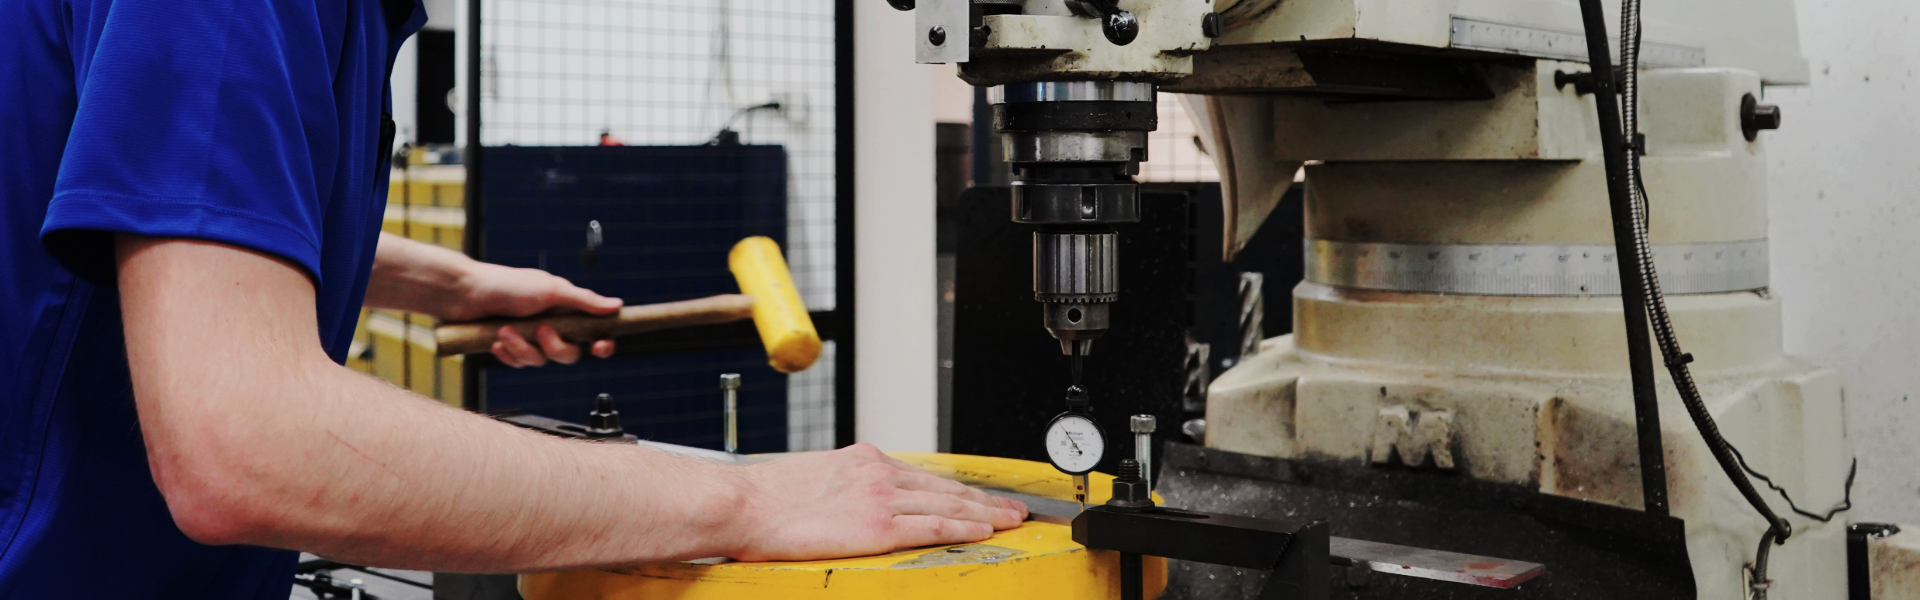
[[1143, 426], [1133, 577], [730, 391], [1646, 408]]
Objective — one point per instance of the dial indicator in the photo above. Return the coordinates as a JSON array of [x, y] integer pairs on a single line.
[[1075, 443]]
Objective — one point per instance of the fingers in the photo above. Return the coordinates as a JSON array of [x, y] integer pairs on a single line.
[[910, 502], [927, 530], [514, 351], [932, 483], [567, 295], [558, 350]]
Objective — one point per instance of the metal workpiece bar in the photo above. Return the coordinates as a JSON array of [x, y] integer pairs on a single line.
[[1530, 270], [1076, 267], [1041, 508], [1392, 559], [1071, 91], [703, 453], [1421, 563]]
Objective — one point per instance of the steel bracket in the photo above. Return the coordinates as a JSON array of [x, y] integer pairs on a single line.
[[1295, 552]]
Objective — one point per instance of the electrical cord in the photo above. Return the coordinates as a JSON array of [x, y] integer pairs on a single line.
[[1845, 504], [1676, 359], [727, 136], [1778, 530]]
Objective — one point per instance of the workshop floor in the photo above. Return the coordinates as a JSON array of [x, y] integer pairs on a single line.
[[376, 588]]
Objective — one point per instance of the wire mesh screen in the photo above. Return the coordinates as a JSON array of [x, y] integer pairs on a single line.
[[1174, 150], [684, 73]]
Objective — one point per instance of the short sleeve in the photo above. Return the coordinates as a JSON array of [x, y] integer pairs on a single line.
[[212, 120]]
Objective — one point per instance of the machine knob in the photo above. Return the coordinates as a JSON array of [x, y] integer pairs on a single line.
[[1756, 117], [1121, 28]]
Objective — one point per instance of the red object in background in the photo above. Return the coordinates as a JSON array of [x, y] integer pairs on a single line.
[[606, 139]]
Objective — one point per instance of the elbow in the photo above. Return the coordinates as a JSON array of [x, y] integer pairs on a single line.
[[214, 493], [211, 522]]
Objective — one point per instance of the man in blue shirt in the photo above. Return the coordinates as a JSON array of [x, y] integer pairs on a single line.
[[190, 200]]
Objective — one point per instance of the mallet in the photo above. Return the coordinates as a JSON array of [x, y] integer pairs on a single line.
[[770, 299]]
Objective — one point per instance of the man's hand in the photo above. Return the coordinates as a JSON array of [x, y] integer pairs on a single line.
[[497, 291], [857, 501], [427, 279]]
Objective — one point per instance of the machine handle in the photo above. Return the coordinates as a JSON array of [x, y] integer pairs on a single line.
[[475, 337]]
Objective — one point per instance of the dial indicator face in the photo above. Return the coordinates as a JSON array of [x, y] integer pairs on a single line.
[[1075, 444]]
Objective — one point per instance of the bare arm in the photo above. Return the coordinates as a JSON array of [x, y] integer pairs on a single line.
[[255, 437], [447, 285]]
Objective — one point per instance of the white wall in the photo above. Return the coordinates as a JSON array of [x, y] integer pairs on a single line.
[[894, 269], [1844, 175]]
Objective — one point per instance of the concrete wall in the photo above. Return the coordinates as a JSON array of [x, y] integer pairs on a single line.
[[1844, 175]]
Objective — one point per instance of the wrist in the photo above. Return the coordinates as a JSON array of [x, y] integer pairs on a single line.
[[460, 288], [735, 508]]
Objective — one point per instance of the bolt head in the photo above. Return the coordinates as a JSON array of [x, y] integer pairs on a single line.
[[1144, 423], [937, 36], [730, 381], [1131, 493], [1210, 25]]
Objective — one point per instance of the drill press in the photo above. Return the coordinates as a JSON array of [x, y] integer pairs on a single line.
[[1461, 320]]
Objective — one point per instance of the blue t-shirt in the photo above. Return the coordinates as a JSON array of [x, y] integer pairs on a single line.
[[257, 123]]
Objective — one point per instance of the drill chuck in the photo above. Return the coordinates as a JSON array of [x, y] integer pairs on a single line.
[[1074, 147], [1075, 281]]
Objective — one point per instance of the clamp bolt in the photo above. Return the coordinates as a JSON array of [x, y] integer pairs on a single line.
[[730, 394], [604, 421]]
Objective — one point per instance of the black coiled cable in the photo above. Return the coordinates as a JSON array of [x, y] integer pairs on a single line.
[[1730, 459]]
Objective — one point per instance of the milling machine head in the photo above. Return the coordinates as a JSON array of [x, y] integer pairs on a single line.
[[1075, 147]]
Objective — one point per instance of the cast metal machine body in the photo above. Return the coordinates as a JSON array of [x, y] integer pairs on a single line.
[[1460, 316]]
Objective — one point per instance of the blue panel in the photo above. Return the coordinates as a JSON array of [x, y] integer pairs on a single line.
[[669, 215]]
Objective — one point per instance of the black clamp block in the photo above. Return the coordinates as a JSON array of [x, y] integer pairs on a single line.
[[1296, 552]]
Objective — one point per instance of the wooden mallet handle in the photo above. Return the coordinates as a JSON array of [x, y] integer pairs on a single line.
[[453, 339]]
